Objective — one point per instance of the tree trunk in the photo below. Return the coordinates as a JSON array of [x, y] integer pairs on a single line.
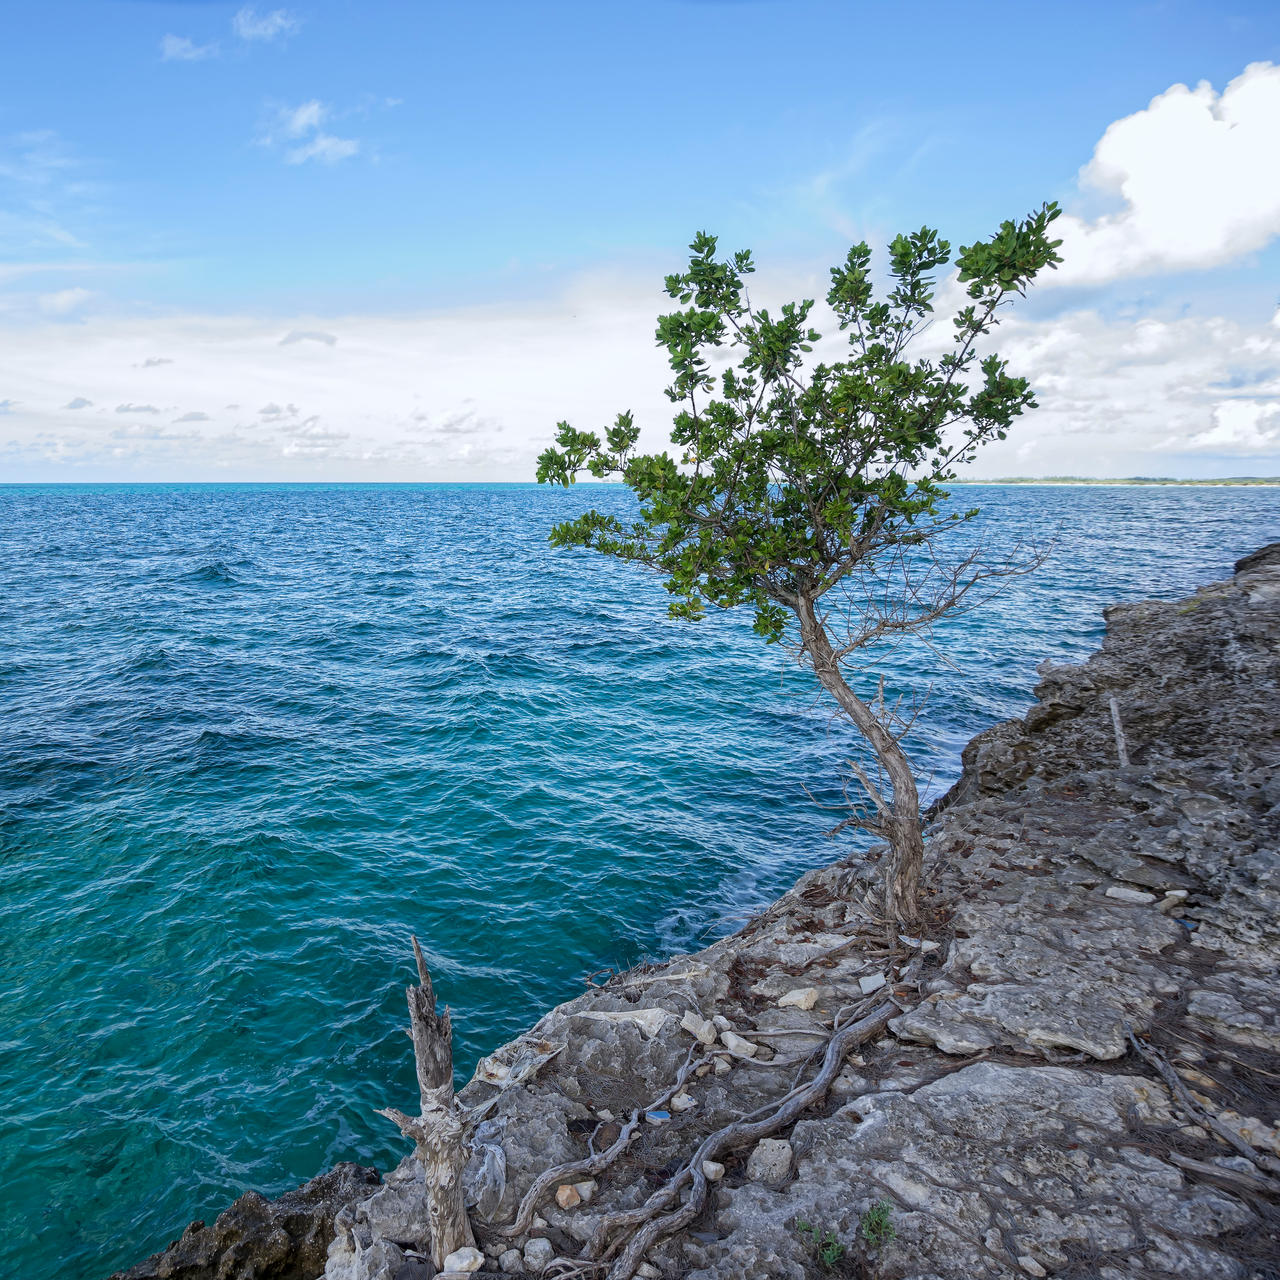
[[438, 1132], [901, 816]]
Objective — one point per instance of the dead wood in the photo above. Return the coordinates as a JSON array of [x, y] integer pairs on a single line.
[[437, 1133]]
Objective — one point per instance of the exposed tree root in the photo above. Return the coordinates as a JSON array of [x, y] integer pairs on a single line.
[[578, 1169], [646, 1224]]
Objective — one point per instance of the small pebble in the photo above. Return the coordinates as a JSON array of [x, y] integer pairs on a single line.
[[586, 1189], [1174, 898], [539, 1222], [464, 1260], [723, 1065], [681, 1102], [649, 1271], [701, 1069], [605, 1114], [1031, 1266], [538, 1254], [567, 1196], [800, 998], [737, 1046], [712, 1170], [722, 1022], [1122, 893], [511, 1261], [702, 1029], [873, 982]]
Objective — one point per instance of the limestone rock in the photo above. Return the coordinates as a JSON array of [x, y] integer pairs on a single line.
[[799, 998], [538, 1254], [770, 1162], [464, 1260]]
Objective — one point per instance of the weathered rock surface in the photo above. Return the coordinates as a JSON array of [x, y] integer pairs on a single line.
[[1006, 1117], [260, 1239]]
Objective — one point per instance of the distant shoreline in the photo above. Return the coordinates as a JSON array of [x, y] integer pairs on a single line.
[[1150, 481]]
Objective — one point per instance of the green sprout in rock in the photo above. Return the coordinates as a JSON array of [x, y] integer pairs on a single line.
[[825, 1246], [876, 1225]]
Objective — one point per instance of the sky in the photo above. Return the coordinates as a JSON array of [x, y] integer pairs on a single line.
[[401, 241]]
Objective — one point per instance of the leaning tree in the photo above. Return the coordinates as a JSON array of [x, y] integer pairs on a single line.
[[813, 491]]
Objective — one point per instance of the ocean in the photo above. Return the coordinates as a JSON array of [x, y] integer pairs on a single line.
[[254, 736]]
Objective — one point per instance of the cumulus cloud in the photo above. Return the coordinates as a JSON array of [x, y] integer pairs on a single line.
[[194, 417], [78, 403], [413, 397], [181, 49], [136, 408], [152, 362], [248, 24], [308, 335], [1196, 175], [8, 406]]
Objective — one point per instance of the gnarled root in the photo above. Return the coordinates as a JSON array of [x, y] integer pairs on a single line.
[[645, 1221], [595, 1164]]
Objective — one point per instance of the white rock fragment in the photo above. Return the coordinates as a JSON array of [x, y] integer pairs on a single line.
[[737, 1046], [539, 1223], [464, 1260], [770, 1161], [712, 1170], [1171, 901], [605, 1114], [800, 998], [702, 1069], [1031, 1266], [722, 1023], [650, 1021], [681, 1102], [538, 1254], [511, 1261], [872, 982], [701, 1029], [920, 944], [723, 1065], [648, 1271], [1122, 893], [586, 1189]]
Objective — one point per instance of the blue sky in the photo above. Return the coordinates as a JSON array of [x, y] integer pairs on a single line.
[[461, 214]]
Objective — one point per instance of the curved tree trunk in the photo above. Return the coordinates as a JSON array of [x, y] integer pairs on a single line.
[[901, 816]]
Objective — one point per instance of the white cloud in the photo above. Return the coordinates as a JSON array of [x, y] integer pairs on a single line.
[[8, 406], [302, 119], [136, 408], [415, 397], [305, 122], [1197, 178], [154, 362], [1241, 427], [78, 403], [194, 417], [250, 25], [181, 49], [325, 147], [308, 335], [63, 301]]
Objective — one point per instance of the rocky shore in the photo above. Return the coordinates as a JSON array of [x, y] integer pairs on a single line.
[[1074, 1071]]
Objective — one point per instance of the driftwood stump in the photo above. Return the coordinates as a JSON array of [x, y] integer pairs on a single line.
[[437, 1133]]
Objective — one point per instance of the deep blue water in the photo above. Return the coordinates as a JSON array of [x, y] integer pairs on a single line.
[[254, 736]]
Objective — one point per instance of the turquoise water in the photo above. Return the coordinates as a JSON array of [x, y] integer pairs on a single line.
[[254, 736]]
